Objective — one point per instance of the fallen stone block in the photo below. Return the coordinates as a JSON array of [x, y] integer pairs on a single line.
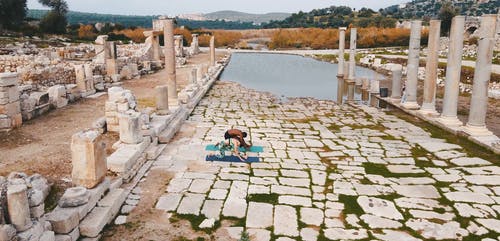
[[126, 156], [74, 197], [63, 220]]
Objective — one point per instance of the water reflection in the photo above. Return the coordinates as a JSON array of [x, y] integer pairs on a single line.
[[292, 76]]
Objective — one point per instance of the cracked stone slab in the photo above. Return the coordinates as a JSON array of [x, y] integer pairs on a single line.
[[379, 207], [285, 221], [430, 230], [379, 222], [260, 215]]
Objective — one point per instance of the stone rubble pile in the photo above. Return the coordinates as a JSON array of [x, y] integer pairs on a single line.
[[22, 208]]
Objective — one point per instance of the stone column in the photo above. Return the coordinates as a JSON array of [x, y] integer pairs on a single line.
[[340, 71], [179, 45], [453, 71], [88, 158], [80, 77], [111, 55], [194, 76], [476, 126], [340, 89], [130, 128], [161, 96], [18, 207], [352, 54], [212, 51], [168, 29], [431, 67], [397, 74], [413, 64], [195, 44]]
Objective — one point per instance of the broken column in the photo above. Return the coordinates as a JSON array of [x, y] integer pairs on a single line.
[[195, 47], [431, 67], [161, 96], [413, 64], [476, 126], [111, 55], [130, 127], [10, 105], [212, 51], [100, 45], [340, 71], [88, 158], [153, 44], [453, 71], [179, 45], [168, 29], [397, 74], [18, 206]]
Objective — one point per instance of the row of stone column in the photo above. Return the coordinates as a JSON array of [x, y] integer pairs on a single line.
[[346, 73], [476, 125]]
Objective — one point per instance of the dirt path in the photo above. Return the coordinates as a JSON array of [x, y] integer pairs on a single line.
[[42, 145]]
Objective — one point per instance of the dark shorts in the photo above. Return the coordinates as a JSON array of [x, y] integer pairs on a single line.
[[226, 135]]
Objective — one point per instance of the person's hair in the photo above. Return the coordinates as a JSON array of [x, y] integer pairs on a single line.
[[245, 134]]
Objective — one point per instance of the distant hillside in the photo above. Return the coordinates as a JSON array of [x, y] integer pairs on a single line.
[[246, 17], [141, 21], [430, 8]]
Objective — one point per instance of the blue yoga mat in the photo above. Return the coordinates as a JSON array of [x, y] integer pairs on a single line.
[[232, 159], [242, 149]]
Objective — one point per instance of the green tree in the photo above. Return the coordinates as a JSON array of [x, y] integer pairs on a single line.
[[12, 13], [55, 21], [446, 14]]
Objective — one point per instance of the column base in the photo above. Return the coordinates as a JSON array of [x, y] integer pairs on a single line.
[[410, 105], [428, 111], [451, 122], [476, 130]]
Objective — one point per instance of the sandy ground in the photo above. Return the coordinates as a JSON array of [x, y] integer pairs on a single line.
[[42, 145]]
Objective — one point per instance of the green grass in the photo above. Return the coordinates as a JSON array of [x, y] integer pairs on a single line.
[[351, 205], [264, 198], [51, 200], [381, 169], [195, 221]]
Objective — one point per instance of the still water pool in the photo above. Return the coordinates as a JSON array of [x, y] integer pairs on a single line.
[[288, 75]]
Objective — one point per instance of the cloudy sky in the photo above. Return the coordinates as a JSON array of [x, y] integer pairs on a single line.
[[174, 7]]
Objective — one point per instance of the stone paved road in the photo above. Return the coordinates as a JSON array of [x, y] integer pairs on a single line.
[[328, 172]]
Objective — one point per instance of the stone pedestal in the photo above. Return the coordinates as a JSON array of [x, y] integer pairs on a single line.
[[397, 74], [212, 51], [10, 105], [453, 71], [88, 158], [429, 103], [161, 96], [18, 206], [168, 29], [130, 127], [352, 55], [476, 126], [413, 64], [340, 71]]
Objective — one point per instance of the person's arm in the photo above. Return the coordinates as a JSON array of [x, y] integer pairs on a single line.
[[237, 150]]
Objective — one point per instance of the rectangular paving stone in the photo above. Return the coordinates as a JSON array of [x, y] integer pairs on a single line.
[[418, 191], [169, 201], [235, 207], [285, 221], [295, 182], [260, 215], [200, 186], [212, 209], [295, 201], [218, 194], [287, 190], [294, 173], [258, 189], [191, 204], [178, 185], [469, 197]]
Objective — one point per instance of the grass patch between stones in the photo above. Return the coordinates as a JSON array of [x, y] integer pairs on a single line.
[[381, 169], [264, 198], [351, 205]]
